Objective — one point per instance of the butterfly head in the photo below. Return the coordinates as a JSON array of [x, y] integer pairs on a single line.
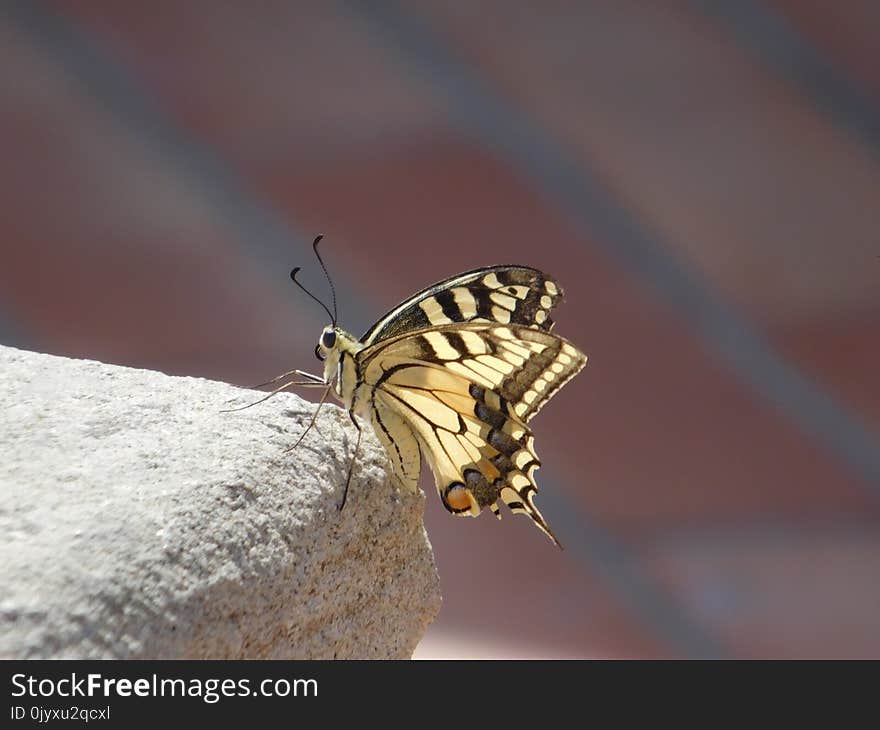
[[327, 351], [326, 343], [333, 345]]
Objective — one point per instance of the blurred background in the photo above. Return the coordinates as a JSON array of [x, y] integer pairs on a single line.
[[702, 177]]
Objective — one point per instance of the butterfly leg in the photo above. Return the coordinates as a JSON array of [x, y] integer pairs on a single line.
[[291, 384], [311, 423], [353, 457], [308, 376]]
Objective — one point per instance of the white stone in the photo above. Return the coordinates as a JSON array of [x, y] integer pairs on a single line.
[[139, 521]]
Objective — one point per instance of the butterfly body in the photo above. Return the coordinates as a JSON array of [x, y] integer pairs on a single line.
[[454, 374]]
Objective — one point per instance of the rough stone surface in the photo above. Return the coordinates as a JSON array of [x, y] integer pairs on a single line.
[[139, 521]]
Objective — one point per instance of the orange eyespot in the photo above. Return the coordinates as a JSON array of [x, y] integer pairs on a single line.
[[457, 498]]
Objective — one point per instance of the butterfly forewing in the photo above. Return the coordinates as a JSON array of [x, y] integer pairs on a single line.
[[465, 392], [517, 295]]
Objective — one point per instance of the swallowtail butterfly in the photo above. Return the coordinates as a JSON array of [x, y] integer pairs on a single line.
[[455, 374]]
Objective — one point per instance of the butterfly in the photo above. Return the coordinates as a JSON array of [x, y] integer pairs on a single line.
[[455, 374]]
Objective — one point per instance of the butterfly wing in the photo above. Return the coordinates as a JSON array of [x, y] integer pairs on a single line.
[[399, 440], [508, 294], [465, 393]]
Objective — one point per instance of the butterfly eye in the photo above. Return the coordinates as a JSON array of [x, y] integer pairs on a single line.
[[318, 352], [328, 339]]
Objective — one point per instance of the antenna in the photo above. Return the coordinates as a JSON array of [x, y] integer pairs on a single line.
[[329, 280], [293, 276]]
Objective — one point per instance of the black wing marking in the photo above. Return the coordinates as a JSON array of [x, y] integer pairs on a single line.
[[507, 294]]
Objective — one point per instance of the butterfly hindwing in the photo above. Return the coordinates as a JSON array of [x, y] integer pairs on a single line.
[[465, 392], [517, 295], [534, 366], [399, 441]]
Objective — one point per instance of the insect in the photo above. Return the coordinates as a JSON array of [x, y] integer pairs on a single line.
[[454, 373]]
